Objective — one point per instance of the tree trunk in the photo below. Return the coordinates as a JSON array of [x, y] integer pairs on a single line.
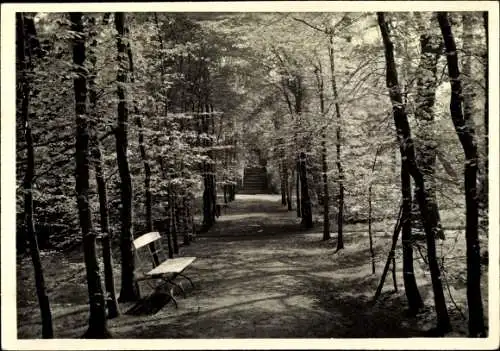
[[208, 208], [288, 188], [163, 90], [186, 221], [97, 321], [290, 184], [297, 188], [282, 179], [23, 94], [415, 302], [485, 186], [425, 143], [324, 154], [129, 287], [338, 141], [173, 224], [95, 151], [169, 233], [326, 194], [307, 221], [464, 126], [147, 187], [145, 161], [390, 256], [109, 281], [430, 218], [370, 236], [213, 168]]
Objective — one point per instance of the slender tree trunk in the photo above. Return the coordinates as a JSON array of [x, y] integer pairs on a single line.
[[147, 187], [430, 218], [129, 287], [145, 161], [109, 281], [415, 302], [282, 186], [25, 66], [338, 132], [185, 220], [297, 188], [464, 126], [485, 186], [163, 90], [168, 232], [95, 151], [425, 143], [97, 321], [394, 273], [288, 186], [213, 157], [208, 210], [282, 174], [295, 142], [326, 193], [296, 89], [324, 154], [370, 236], [390, 257], [173, 224], [307, 221]]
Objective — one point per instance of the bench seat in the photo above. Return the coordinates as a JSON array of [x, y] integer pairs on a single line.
[[172, 265]]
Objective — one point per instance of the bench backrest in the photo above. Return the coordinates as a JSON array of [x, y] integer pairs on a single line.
[[146, 239]]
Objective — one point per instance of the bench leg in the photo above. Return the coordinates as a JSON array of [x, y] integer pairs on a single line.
[[170, 291], [190, 281], [173, 298], [177, 285]]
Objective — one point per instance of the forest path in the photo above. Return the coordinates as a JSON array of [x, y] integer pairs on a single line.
[[257, 275]]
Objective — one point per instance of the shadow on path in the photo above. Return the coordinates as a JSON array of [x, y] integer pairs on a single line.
[[257, 275]]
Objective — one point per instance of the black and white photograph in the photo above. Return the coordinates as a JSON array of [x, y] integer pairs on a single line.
[[250, 175]]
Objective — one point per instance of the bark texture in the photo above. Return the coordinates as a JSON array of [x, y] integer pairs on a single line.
[[415, 302], [338, 148], [129, 287], [25, 66], [95, 152], [97, 320], [428, 213], [307, 221], [464, 126], [425, 142]]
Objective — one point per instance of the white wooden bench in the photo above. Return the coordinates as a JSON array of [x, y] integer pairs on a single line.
[[167, 270]]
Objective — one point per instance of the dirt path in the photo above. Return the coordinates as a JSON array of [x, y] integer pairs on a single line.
[[258, 276]]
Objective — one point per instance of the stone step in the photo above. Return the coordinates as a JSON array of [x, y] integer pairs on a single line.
[[252, 192], [254, 187], [254, 180], [259, 176]]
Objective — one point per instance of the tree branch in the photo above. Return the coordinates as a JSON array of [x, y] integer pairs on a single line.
[[310, 25]]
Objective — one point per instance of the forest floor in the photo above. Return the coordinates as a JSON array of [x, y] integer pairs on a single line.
[[258, 275]]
